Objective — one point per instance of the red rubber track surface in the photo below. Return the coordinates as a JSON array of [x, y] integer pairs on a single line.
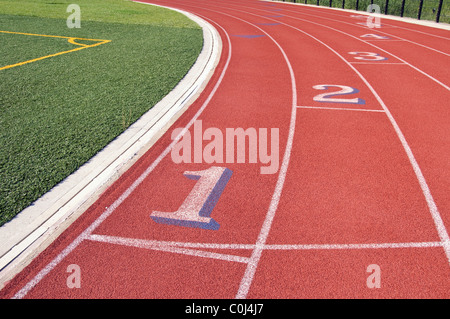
[[357, 184]]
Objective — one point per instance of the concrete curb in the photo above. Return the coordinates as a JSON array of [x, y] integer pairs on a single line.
[[32, 230]]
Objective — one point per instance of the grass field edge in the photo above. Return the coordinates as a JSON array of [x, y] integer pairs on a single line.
[[33, 229]]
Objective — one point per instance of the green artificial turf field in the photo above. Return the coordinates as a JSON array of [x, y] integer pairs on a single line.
[[59, 111]]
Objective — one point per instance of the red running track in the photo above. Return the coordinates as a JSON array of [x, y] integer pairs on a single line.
[[363, 177]]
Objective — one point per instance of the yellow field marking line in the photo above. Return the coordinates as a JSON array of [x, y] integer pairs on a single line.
[[71, 40]]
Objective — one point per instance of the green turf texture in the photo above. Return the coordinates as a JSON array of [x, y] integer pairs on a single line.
[[57, 113], [115, 11]]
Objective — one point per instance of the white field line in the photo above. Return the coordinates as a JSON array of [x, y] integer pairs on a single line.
[[385, 40], [36, 224], [85, 234], [265, 229], [389, 17], [354, 246], [150, 244], [339, 109], [426, 33], [355, 37], [381, 16], [377, 63], [155, 245], [439, 224]]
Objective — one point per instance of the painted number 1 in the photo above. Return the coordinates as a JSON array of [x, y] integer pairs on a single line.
[[196, 209]]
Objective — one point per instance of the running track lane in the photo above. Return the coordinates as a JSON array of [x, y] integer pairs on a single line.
[[358, 184]]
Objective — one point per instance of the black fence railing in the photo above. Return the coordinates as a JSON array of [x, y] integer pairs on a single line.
[[436, 10]]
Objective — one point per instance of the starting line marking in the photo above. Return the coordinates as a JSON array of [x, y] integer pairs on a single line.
[[109, 210], [71, 40], [339, 109], [399, 63], [248, 36], [161, 246], [390, 40], [260, 245], [192, 249]]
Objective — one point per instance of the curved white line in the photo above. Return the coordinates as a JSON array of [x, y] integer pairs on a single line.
[[387, 17], [355, 37], [87, 232], [440, 227], [252, 265], [146, 243], [259, 247]]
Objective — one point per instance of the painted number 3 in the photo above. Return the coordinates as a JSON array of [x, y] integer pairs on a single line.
[[196, 209], [368, 56]]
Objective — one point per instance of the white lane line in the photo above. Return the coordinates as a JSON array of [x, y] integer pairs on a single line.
[[177, 243], [339, 109], [440, 226], [30, 285], [252, 265], [265, 229], [354, 246], [390, 17], [397, 37], [428, 34], [149, 243], [264, 233], [355, 37], [155, 245], [437, 219], [36, 223], [390, 40], [377, 63]]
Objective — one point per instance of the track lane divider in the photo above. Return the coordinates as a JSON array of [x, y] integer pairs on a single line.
[[437, 219], [87, 232]]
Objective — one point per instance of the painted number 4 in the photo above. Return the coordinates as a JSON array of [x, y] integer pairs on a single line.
[[196, 209]]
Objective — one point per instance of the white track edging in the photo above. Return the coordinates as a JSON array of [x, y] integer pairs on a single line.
[[23, 237]]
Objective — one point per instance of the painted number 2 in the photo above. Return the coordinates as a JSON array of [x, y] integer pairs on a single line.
[[336, 97], [196, 209]]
